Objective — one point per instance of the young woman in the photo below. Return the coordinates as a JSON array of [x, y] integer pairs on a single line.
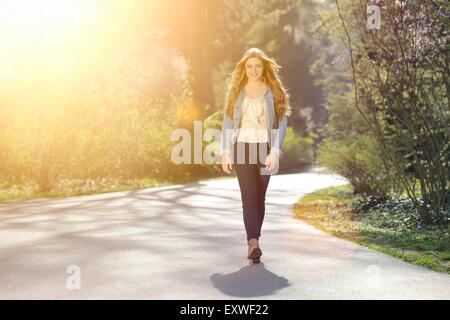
[[253, 130]]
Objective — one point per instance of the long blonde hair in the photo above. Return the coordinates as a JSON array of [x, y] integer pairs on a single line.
[[270, 77]]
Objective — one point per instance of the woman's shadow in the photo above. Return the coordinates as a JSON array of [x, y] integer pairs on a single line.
[[249, 281]]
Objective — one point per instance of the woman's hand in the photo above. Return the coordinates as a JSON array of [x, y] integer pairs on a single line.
[[271, 161], [226, 164]]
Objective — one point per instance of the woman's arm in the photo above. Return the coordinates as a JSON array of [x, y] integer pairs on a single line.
[[227, 130], [279, 136]]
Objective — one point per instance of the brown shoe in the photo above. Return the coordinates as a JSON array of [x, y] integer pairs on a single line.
[[254, 252]]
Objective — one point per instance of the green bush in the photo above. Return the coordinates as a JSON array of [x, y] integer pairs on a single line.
[[357, 158], [297, 150], [112, 120]]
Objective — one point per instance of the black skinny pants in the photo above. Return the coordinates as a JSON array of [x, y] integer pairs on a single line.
[[252, 183]]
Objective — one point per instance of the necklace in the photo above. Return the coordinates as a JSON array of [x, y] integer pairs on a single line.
[[254, 105]]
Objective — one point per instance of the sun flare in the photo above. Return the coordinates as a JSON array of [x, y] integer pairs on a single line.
[[51, 35]]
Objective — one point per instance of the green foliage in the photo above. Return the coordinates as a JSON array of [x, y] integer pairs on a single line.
[[112, 121], [297, 150], [357, 158], [393, 89], [391, 226], [396, 213]]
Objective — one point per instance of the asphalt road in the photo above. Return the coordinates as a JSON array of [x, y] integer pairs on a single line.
[[188, 242]]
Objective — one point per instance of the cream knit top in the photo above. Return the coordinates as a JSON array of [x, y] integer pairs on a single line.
[[254, 121]]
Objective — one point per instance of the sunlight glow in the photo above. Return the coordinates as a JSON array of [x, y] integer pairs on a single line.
[[37, 32]]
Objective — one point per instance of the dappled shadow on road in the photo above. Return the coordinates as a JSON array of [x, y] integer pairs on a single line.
[[165, 235], [155, 220], [250, 281]]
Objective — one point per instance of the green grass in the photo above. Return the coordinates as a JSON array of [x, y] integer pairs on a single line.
[[330, 210], [70, 188], [19, 192]]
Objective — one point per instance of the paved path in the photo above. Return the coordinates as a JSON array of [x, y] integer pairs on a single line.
[[188, 242]]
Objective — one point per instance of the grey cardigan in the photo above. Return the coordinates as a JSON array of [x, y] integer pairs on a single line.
[[231, 127]]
